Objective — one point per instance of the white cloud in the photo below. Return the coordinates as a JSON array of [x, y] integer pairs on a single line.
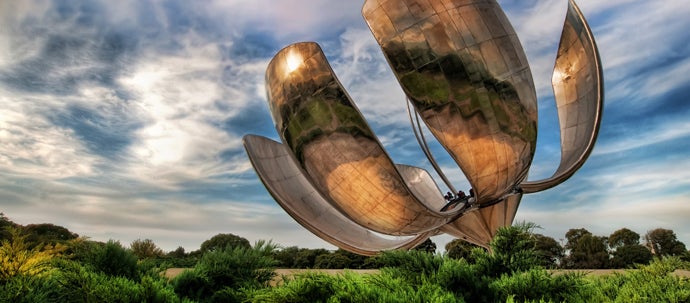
[[646, 137], [640, 214], [287, 19], [179, 95], [33, 146]]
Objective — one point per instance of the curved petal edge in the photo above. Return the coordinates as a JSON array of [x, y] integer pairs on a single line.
[[579, 92]]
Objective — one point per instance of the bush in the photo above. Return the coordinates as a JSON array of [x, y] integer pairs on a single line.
[[232, 267], [74, 282], [538, 284], [113, 259], [24, 289], [351, 287], [650, 283]]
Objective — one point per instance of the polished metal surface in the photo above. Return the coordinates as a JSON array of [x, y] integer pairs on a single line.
[[462, 66], [579, 92], [421, 140], [295, 194], [464, 71], [336, 149], [478, 225]]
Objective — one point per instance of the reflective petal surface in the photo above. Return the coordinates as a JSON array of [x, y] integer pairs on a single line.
[[462, 66], [337, 150], [579, 92], [295, 194]]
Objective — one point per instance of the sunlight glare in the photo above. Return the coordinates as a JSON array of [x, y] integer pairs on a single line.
[[294, 60]]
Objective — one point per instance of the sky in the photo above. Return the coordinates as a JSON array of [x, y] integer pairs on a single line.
[[124, 119]]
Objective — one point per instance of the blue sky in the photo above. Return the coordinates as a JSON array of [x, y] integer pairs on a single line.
[[123, 119]]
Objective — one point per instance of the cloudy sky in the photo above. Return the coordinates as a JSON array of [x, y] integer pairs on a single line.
[[123, 119]]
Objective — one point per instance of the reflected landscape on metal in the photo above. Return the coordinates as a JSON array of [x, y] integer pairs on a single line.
[[467, 79]]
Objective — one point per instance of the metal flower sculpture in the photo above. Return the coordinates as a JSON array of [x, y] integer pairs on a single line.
[[467, 78]]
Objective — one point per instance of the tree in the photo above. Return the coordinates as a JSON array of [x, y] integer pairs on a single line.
[[178, 253], [114, 260], [427, 246], [573, 236], [514, 248], [460, 249], [663, 242], [47, 233], [627, 249], [306, 258], [332, 261], [549, 251], [588, 251], [5, 224], [222, 241], [628, 255], [146, 249], [286, 257], [623, 237]]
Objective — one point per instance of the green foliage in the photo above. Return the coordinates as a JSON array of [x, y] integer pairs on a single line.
[[219, 273], [145, 249], [459, 249], [549, 251], [88, 271], [46, 233], [629, 255], [586, 250], [17, 258], [112, 259], [412, 264], [623, 237], [427, 246], [332, 261], [537, 284], [650, 283], [75, 282], [663, 242], [306, 258], [5, 225], [464, 279], [512, 249], [286, 256], [24, 289], [222, 241], [350, 287]]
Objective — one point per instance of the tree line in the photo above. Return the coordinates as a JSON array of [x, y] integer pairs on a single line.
[[48, 263], [584, 250]]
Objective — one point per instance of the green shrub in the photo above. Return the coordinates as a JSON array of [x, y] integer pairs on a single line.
[[411, 264], [223, 270], [192, 284], [654, 283], [111, 259], [25, 289], [538, 284], [353, 288], [74, 282]]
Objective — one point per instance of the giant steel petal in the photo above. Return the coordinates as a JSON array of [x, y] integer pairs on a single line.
[[579, 92], [337, 150], [295, 194], [462, 67]]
